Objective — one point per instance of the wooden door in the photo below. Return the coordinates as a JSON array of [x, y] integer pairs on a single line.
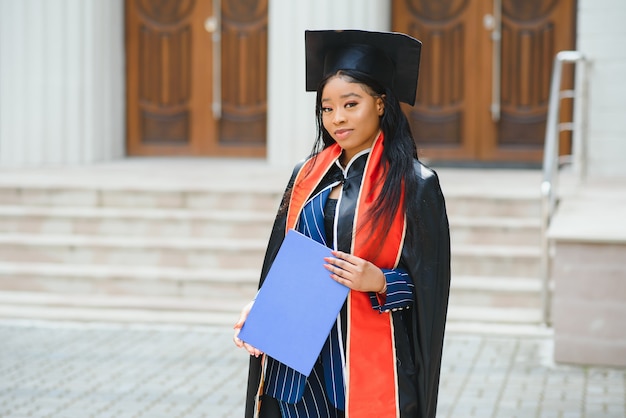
[[453, 119], [180, 101]]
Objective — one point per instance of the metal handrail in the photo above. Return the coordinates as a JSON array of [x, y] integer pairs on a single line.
[[551, 159]]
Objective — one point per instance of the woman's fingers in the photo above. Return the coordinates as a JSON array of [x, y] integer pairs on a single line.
[[354, 272], [346, 258], [340, 265], [345, 265], [238, 341], [241, 344], [242, 318], [253, 351], [244, 315], [333, 268]]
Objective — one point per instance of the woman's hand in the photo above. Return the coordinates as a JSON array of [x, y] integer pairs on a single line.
[[355, 273], [238, 342]]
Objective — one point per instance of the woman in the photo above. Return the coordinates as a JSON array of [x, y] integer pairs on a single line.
[[364, 194]]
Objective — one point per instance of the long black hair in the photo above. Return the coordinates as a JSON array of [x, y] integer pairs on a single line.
[[398, 158]]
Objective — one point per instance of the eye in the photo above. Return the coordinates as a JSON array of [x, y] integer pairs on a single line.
[[351, 104], [327, 109]]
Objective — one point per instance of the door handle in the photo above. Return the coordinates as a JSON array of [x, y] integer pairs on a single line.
[[494, 23], [213, 25]]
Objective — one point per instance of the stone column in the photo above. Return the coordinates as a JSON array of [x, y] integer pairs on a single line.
[[62, 81]]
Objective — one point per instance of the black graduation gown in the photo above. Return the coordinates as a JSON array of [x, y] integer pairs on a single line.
[[429, 268]]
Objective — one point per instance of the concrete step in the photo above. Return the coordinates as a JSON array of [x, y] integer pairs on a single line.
[[467, 260], [232, 275], [489, 230], [508, 205], [143, 196], [491, 192], [506, 315], [146, 222], [208, 310], [493, 328], [232, 284], [496, 284], [20, 310], [221, 223], [239, 284], [218, 195], [133, 251], [496, 260], [131, 316], [214, 303], [33, 305], [495, 292], [128, 280]]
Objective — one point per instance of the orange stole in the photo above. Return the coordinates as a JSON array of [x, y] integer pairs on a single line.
[[371, 381]]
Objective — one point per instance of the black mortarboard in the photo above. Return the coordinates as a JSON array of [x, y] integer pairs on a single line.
[[391, 58]]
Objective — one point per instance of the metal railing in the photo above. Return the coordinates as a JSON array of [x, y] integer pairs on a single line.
[[552, 161]]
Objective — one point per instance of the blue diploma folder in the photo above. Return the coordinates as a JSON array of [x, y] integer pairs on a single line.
[[297, 305]]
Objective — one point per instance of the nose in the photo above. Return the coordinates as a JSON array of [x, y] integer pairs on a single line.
[[338, 117]]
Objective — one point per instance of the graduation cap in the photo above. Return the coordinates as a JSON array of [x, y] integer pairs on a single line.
[[390, 58]]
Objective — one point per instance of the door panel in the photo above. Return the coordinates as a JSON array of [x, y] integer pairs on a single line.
[[533, 32], [244, 72], [439, 119], [452, 119], [170, 80]]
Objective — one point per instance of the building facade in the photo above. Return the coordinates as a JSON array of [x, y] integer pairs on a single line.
[[96, 80]]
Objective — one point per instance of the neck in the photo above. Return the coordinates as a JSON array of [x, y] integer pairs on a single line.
[[347, 156]]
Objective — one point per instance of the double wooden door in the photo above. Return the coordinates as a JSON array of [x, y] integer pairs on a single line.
[[485, 75], [196, 77]]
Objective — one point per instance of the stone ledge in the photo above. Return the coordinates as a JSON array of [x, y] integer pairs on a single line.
[[592, 214], [588, 269]]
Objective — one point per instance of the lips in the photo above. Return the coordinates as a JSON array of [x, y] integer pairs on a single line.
[[342, 133]]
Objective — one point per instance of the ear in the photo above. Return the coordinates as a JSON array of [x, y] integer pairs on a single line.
[[380, 105]]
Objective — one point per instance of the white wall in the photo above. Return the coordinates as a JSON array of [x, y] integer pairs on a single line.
[[291, 110], [601, 36], [61, 81]]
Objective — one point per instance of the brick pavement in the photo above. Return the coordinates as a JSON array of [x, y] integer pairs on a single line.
[[53, 369]]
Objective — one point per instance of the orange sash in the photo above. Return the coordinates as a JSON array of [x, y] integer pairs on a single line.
[[371, 381]]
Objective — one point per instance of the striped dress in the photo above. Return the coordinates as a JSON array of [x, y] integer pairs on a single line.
[[322, 394]]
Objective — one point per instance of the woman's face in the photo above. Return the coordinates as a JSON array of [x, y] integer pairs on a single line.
[[351, 115]]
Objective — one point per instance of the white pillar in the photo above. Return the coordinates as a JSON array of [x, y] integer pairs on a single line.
[[600, 33], [61, 81], [291, 110]]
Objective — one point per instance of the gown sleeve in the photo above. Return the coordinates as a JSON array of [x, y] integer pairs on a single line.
[[429, 265], [399, 293]]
